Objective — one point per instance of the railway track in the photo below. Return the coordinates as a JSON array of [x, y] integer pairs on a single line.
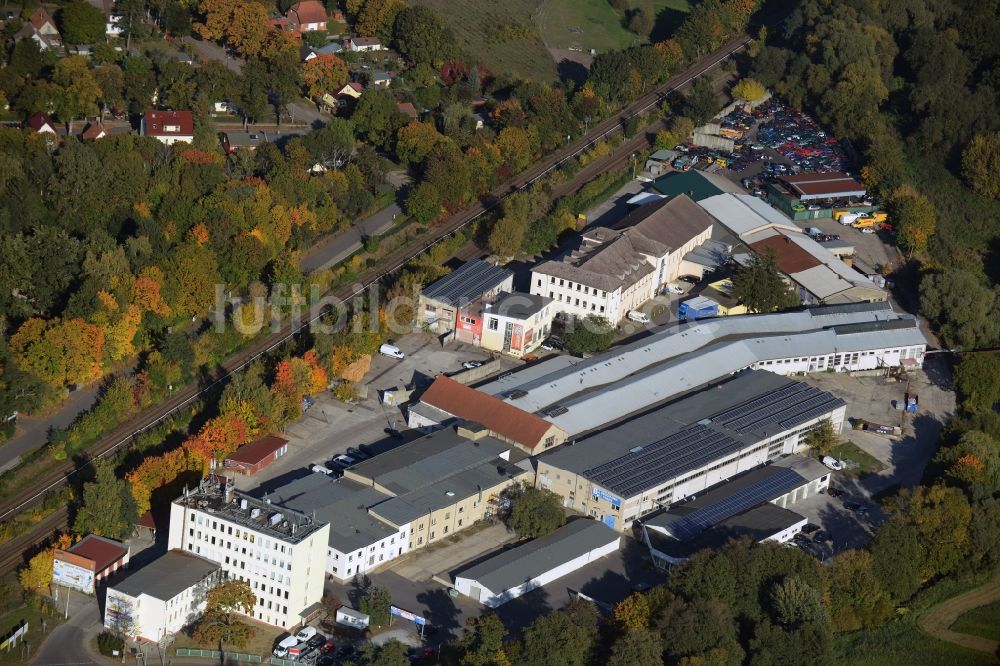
[[149, 418]]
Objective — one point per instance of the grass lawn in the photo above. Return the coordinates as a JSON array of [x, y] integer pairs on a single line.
[[902, 643], [594, 24], [865, 462], [262, 643], [33, 638], [477, 25], [983, 621]]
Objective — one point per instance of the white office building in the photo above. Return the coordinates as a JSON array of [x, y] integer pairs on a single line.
[[281, 552]]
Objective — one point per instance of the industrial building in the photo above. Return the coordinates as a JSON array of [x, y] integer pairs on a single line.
[[447, 401], [809, 196], [755, 504], [452, 303], [88, 562], [515, 572], [281, 552], [654, 460], [158, 600], [439, 484], [816, 274], [617, 269], [255, 456], [582, 395]]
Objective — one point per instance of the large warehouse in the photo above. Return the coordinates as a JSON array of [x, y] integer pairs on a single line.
[[520, 570], [662, 457], [582, 395], [754, 504]]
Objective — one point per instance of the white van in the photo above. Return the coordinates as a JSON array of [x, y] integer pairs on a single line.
[[284, 646], [640, 317], [391, 350], [305, 633], [321, 469]]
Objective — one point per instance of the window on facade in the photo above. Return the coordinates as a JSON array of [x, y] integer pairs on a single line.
[[539, 282], [494, 323], [602, 309]]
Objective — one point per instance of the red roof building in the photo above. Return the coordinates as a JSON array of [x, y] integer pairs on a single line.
[[93, 132], [307, 15], [408, 110], [87, 563], [506, 422], [168, 127], [255, 456], [41, 123]]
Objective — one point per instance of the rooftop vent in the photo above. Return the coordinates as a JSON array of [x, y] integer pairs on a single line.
[[635, 449], [518, 393], [450, 493], [243, 504], [276, 518], [255, 512]]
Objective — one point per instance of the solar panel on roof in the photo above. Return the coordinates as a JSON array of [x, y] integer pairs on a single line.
[[470, 280]]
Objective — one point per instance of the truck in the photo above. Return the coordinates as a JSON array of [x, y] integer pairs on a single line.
[[863, 222], [698, 308], [845, 217]]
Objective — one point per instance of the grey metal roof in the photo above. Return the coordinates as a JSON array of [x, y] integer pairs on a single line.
[[518, 305], [513, 567], [167, 576], [687, 519], [427, 460], [689, 434], [743, 213], [760, 522], [340, 502], [467, 283], [615, 264]]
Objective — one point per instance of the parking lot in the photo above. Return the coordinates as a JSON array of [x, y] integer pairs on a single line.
[[872, 250], [330, 427], [871, 398]]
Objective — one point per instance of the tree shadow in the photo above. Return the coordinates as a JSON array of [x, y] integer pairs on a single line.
[[517, 614], [441, 613], [667, 21], [571, 70]]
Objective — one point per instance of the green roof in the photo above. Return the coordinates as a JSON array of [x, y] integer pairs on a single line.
[[691, 183]]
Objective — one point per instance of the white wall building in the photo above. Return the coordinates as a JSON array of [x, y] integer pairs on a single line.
[[279, 551], [517, 571], [161, 598], [617, 269], [641, 465]]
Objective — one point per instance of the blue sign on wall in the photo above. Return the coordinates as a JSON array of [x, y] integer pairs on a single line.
[[609, 521], [407, 615], [602, 494]]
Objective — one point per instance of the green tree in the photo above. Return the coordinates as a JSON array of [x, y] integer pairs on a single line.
[[565, 637], [375, 603], [749, 90], [482, 642], [221, 624], [333, 144], [794, 603], [760, 286], [962, 306], [131, 19], [642, 20], [531, 512], [78, 89], [823, 438], [981, 164], [700, 102], [390, 653], [701, 627], [857, 598], [82, 23], [896, 554], [422, 36], [590, 335], [977, 379], [639, 646], [940, 516], [914, 217], [423, 204], [377, 117], [108, 508]]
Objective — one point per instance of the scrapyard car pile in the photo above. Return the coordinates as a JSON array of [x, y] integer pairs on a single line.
[[801, 140]]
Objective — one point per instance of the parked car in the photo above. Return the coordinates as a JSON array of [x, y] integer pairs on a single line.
[[833, 463], [356, 454], [851, 506], [810, 528], [317, 641], [343, 461], [636, 315], [469, 365], [800, 538], [822, 536], [391, 350], [321, 469], [307, 402], [673, 289], [327, 647], [305, 633], [834, 492]]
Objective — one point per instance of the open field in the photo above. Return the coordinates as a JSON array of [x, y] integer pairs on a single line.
[[479, 26], [983, 621], [594, 24]]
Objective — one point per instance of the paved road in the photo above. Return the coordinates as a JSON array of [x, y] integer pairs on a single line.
[[34, 432], [337, 248], [70, 643]]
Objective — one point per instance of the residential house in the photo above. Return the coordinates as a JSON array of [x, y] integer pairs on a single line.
[[307, 16], [93, 132], [42, 29], [408, 110], [307, 52], [41, 123], [360, 44], [380, 79], [112, 27], [168, 127]]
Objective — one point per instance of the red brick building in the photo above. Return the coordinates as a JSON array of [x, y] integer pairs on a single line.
[[87, 563], [255, 456]]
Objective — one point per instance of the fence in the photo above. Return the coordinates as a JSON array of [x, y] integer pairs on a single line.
[[229, 657]]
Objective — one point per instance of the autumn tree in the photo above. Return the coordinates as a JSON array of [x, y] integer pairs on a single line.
[[248, 29], [78, 90], [60, 352], [981, 164], [516, 146], [416, 140], [323, 74], [749, 90], [36, 576], [221, 623], [108, 508], [977, 379], [217, 17], [914, 218], [482, 642], [632, 612], [423, 204], [857, 598], [376, 17], [940, 517]]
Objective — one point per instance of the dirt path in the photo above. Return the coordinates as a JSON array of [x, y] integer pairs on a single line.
[[938, 621]]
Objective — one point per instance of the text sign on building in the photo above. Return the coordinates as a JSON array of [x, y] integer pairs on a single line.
[[605, 495], [70, 575], [407, 615]]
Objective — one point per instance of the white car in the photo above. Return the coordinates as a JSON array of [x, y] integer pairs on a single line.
[[469, 365], [673, 289], [833, 463], [868, 230]]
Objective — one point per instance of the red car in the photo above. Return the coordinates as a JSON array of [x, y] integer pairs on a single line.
[[327, 647]]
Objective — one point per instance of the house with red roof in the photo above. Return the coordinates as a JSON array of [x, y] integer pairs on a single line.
[[42, 29], [407, 109], [255, 456], [90, 561], [168, 127], [41, 123], [447, 401], [307, 16], [93, 132]]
